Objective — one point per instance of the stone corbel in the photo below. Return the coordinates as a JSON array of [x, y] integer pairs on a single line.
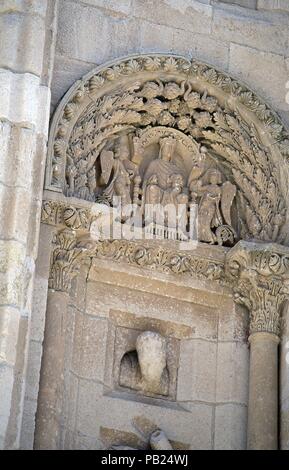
[[259, 274]]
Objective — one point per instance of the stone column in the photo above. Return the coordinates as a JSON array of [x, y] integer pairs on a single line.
[[66, 258], [263, 392], [259, 273], [284, 381], [26, 51]]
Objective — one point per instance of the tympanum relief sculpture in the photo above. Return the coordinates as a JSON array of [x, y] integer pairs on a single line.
[[159, 129], [157, 174], [145, 369]]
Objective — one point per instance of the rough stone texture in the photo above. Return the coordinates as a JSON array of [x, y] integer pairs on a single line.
[[263, 409], [263, 75], [242, 3], [279, 5], [230, 427]]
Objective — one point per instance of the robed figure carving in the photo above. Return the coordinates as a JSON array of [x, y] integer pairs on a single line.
[[214, 204], [163, 166], [119, 171]]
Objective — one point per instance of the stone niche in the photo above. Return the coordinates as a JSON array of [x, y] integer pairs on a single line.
[[126, 368]]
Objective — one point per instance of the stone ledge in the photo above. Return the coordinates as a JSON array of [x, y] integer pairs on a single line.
[[22, 39]]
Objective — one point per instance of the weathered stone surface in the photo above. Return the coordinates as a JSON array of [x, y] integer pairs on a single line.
[[200, 358], [81, 40], [206, 49], [9, 328], [28, 424], [13, 206], [255, 30], [284, 382], [242, 3], [36, 7], [259, 70], [232, 373], [281, 5], [65, 72], [18, 36], [6, 384], [87, 413], [121, 7], [33, 372], [24, 101], [230, 427], [188, 15], [92, 360]]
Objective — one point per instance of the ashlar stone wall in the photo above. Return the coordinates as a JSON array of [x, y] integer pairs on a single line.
[[250, 44]]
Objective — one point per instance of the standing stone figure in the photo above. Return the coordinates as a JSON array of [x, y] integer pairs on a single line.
[[152, 197], [214, 200], [118, 165]]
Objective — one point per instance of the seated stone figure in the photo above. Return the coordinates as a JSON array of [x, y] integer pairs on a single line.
[[145, 369]]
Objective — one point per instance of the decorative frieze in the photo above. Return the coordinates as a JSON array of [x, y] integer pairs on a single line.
[[260, 276], [161, 259]]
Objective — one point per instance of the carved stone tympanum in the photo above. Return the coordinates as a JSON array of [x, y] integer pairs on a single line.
[[162, 129]]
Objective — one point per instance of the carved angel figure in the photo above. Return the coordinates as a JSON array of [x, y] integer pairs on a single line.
[[215, 201], [119, 171]]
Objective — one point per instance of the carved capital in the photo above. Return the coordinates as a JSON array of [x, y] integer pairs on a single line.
[[260, 275], [66, 215], [65, 260]]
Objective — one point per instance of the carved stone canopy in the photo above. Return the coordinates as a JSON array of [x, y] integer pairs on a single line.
[[186, 128]]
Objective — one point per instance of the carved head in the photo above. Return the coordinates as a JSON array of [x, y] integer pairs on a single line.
[[167, 147], [214, 177], [177, 182], [152, 356], [153, 179]]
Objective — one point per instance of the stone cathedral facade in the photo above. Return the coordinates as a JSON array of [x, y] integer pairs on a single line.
[[119, 329]]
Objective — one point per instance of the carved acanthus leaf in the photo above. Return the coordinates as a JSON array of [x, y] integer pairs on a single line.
[[260, 276], [66, 259], [161, 259]]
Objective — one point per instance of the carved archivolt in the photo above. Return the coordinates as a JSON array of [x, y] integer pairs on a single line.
[[163, 128]]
